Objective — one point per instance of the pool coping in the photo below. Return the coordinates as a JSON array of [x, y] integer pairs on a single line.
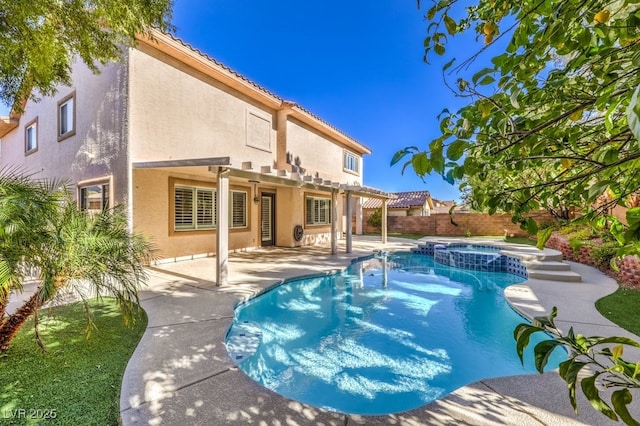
[[160, 387]]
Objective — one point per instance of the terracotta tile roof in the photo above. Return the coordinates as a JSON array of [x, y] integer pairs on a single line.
[[403, 200], [221, 65]]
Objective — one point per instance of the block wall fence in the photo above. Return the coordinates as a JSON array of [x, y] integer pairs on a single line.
[[469, 224], [479, 224]]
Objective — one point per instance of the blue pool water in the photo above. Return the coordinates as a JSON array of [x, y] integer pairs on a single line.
[[378, 338]]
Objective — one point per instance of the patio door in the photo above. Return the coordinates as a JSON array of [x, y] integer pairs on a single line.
[[267, 219]]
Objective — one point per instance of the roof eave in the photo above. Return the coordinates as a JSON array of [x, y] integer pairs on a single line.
[[190, 56], [7, 124]]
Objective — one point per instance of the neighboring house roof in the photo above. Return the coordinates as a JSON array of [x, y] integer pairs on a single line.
[[442, 206], [402, 200]]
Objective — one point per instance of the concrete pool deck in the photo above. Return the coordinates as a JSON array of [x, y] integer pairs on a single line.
[[180, 372]]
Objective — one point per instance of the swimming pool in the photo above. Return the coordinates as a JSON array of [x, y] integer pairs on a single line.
[[387, 335]]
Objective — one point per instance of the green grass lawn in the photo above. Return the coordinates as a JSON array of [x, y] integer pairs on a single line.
[[78, 379], [399, 235], [621, 307], [408, 236], [520, 240]]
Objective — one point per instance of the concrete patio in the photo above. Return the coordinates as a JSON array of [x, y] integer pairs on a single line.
[[181, 374]]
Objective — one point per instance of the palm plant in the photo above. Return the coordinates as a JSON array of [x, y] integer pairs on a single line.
[[43, 230]]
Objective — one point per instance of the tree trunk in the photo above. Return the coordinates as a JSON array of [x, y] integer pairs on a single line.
[[4, 301], [14, 323]]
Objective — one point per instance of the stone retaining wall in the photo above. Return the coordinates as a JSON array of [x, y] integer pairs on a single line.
[[629, 268]]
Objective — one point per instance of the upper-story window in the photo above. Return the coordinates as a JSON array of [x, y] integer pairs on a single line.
[[67, 117], [94, 197], [31, 136], [351, 162]]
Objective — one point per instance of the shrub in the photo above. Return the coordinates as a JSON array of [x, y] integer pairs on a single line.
[[375, 219]]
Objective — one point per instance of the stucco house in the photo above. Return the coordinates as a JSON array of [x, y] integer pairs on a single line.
[[409, 203], [206, 160]]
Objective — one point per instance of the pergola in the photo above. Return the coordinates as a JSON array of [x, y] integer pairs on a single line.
[[222, 168]]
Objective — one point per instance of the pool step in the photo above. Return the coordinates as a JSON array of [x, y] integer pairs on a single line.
[[551, 275], [532, 254], [243, 341], [535, 265]]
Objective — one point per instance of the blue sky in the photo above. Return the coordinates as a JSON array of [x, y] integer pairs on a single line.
[[356, 64]]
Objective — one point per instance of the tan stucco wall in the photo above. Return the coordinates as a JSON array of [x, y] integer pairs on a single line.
[[418, 211], [151, 198], [177, 113], [99, 147], [151, 213], [290, 211], [315, 154], [396, 212]]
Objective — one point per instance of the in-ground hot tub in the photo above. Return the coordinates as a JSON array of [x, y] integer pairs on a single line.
[[482, 257]]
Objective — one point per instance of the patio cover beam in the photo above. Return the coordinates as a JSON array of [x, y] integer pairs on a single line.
[[190, 162]]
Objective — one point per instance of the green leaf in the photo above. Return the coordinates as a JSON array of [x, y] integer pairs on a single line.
[[589, 389], [617, 352], [547, 321], [399, 156], [522, 335], [450, 24], [483, 72], [542, 351], [620, 399], [633, 114], [633, 216], [431, 13], [532, 226], [569, 371], [514, 98], [456, 149], [598, 188], [420, 164], [404, 166], [543, 236], [486, 80], [448, 64], [616, 339]]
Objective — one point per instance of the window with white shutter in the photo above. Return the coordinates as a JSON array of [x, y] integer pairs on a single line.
[[196, 208], [238, 218], [318, 211]]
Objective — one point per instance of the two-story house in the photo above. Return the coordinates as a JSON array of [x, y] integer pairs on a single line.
[[205, 160]]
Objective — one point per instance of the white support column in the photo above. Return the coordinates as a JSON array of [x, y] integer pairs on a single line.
[[384, 221], [334, 222], [358, 215], [222, 231], [349, 200]]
